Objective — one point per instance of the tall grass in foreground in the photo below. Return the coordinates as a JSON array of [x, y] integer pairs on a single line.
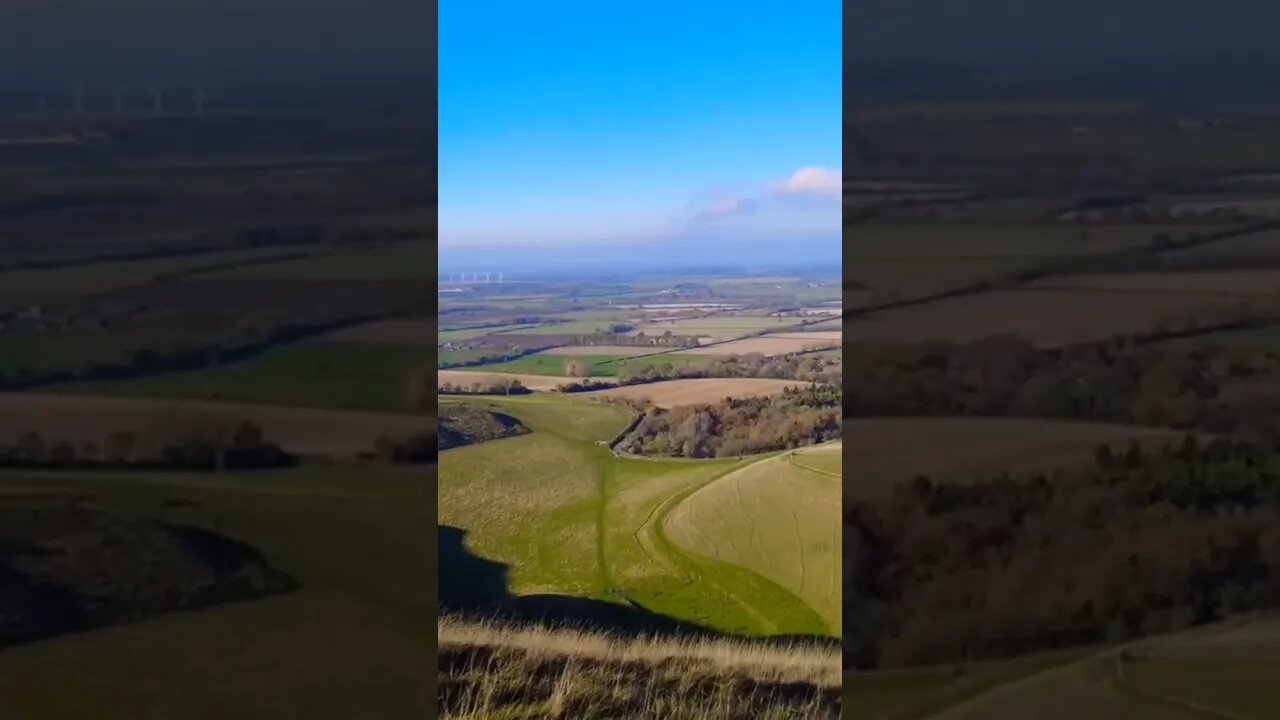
[[490, 670]]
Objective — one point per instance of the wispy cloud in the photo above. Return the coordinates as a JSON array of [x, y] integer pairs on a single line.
[[809, 182], [726, 207]]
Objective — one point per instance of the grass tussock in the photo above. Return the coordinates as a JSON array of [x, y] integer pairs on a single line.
[[491, 670]]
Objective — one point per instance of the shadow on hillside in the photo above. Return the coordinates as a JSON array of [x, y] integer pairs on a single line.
[[473, 586], [69, 564]]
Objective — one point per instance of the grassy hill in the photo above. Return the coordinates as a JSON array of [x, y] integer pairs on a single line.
[[351, 641], [1213, 671], [563, 516]]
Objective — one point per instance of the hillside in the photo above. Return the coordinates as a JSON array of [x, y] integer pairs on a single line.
[[466, 424], [349, 536], [555, 524], [775, 518]]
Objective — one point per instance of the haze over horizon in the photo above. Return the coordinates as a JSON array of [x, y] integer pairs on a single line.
[[684, 130], [1093, 32], [268, 41]]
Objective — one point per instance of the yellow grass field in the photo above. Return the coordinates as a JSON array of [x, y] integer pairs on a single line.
[[777, 517], [304, 431], [698, 391]]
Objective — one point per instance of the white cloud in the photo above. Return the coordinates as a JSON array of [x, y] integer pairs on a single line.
[[808, 182], [815, 181]]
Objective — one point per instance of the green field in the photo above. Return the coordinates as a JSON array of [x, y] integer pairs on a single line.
[[597, 365], [475, 332], [41, 351], [918, 693], [352, 642], [573, 327], [612, 366], [724, 322], [545, 365], [30, 286], [775, 517], [576, 520], [456, 356], [1261, 340], [402, 261], [900, 261], [345, 376]]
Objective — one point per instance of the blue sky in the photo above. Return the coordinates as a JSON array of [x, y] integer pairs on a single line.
[[582, 123]]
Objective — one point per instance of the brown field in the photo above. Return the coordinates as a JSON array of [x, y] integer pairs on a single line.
[[770, 345], [603, 350], [537, 383], [412, 331], [884, 451], [1047, 318], [698, 391], [820, 335], [1225, 282], [303, 431], [834, 323]]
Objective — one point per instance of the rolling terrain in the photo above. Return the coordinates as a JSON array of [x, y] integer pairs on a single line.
[[595, 525], [1061, 318], [163, 276]]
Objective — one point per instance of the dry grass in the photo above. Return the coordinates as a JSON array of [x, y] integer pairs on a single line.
[[494, 670], [699, 391]]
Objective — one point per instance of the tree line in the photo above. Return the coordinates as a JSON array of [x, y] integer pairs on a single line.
[[797, 417], [220, 447], [1142, 541], [1187, 386], [804, 367]]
